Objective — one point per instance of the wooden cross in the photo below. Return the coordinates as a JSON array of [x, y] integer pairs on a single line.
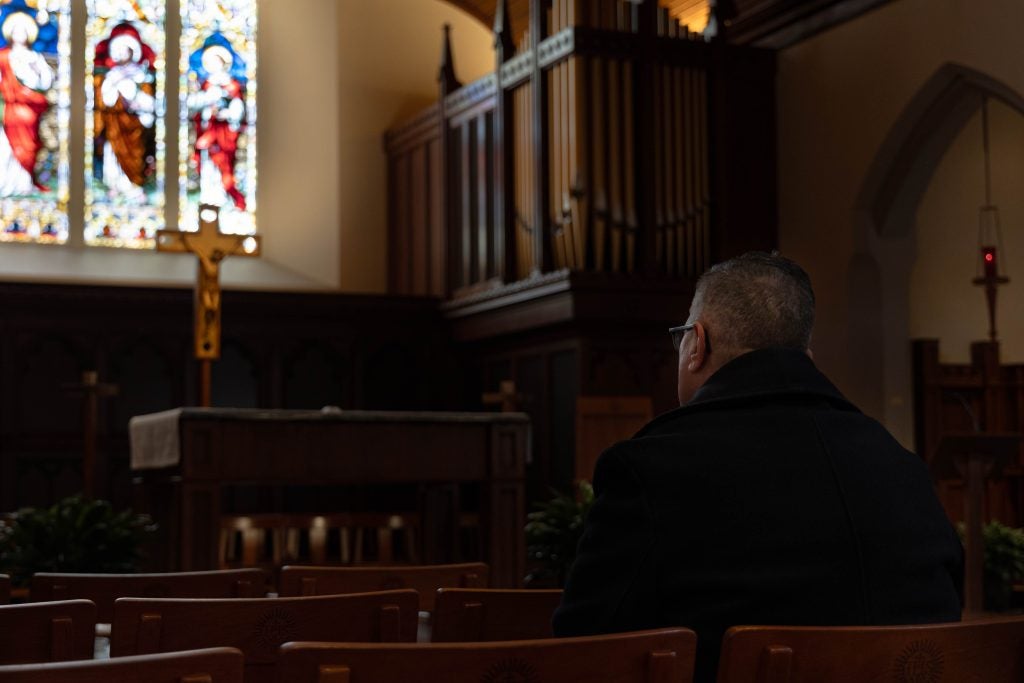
[[92, 390], [506, 397], [210, 246]]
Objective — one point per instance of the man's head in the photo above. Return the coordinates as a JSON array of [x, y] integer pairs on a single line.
[[754, 301]]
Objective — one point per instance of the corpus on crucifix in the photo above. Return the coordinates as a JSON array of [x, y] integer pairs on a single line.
[[210, 246]]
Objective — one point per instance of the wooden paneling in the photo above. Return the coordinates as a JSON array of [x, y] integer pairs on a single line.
[[280, 351], [983, 396], [602, 421]]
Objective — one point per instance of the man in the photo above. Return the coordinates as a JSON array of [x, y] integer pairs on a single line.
[[766, 497]]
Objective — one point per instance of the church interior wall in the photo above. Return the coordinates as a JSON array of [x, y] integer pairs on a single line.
[[333, 76], [942, 306], [389, 55], [839, 96]]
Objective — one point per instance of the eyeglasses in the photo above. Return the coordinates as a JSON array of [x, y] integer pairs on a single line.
[[677, 334]]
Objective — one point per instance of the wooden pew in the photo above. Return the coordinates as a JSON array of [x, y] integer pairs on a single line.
[[424, 578], [986, 650], [664, 656], [5, 589], [49, 632], [472, 615], [215, 665], [258, 627], [104, 589]]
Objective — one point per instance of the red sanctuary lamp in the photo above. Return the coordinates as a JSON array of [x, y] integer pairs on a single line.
[[990, 238]]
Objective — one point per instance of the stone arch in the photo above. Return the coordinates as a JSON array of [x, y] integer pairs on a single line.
[[885, 228]]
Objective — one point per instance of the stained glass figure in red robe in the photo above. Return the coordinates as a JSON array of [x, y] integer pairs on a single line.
[[219, 116], [25, 77]]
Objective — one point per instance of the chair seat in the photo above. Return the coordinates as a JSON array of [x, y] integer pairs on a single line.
[[215, 665], [480, 614], [986, 650], [426, 579], [47, 632], [664, 656]]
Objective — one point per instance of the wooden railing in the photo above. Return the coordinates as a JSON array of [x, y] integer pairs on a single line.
[[589, 148]]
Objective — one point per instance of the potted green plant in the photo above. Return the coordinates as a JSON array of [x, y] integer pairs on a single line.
[[74, 535], [1004, 563], [553, 532]]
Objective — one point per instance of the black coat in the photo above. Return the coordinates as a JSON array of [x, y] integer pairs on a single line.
[[768, 499]]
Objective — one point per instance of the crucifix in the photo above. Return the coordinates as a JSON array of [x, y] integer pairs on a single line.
[[506, 396], [210, 246], [92, 390], [990, 236]]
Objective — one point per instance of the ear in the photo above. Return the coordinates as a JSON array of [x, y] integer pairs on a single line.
[[697, 353]]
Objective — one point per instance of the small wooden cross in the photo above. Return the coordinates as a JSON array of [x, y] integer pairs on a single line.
[[506, 397], [92, 390], [210, 246]]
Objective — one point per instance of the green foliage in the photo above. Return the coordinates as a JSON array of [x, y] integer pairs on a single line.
[[75, 535], [1004, 562], [553, 532]]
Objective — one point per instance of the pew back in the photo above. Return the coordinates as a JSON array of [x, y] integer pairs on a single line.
[[472, 614], [47, 632], [988, 650], [104, 589], [424, 578], [215, 665], [258, 627], [664, 656]]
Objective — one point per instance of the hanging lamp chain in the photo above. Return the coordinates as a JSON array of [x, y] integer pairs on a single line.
[[988, 163]]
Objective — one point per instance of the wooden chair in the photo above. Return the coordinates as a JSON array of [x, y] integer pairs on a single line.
[[50, 632], [424, 578], [258, 627], [104, 589], [5, 589], [274, 539], [472, 615], [987, 650], [215, 665], [664, 656]]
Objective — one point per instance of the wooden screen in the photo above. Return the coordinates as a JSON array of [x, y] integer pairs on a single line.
[[602, 421], [984, 396]]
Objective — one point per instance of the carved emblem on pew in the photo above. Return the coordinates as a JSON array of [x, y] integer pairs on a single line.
[[275, 627], [510, 671], [920, 662]]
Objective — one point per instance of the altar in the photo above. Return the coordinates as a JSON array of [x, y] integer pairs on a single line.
[[184, 460]]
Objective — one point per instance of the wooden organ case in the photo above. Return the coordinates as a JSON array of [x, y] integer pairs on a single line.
[[564, 205]]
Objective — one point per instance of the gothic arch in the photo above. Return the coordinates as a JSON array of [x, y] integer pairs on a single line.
[[885, 248]]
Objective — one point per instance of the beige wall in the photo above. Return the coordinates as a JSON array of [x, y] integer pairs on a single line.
[[389, 53], [839, 96], [329, 88]]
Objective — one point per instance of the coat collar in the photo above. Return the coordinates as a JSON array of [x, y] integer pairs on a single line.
[[774, 372]]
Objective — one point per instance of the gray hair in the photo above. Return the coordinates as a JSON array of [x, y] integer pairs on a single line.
[[755, 301]]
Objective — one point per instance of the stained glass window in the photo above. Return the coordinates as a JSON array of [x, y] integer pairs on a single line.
[[35, 103], [217, 131], [124, 130]]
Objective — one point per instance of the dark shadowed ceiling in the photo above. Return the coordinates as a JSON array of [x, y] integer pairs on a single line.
[[766, 23], [690, 12]]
